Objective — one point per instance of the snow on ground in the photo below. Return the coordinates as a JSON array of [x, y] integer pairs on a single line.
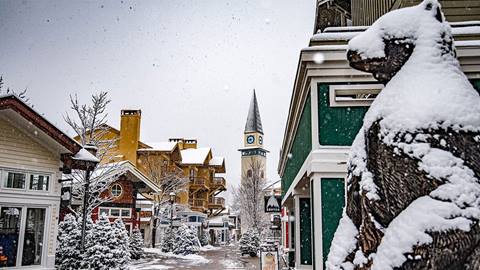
[[190, 257], [208, 248]]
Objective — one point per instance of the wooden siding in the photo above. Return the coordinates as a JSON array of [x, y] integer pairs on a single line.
[[365, 12], [18, 150]]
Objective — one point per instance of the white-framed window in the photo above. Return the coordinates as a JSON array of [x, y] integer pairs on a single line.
[[353, 95], [115, 212], [23, 230], [24, 180], [116, 190], [14, 179], [39, 182]]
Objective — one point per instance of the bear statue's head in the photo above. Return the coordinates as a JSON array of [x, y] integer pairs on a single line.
[[388, 43]]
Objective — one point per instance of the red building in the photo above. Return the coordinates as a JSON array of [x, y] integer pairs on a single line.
[[124, 195]]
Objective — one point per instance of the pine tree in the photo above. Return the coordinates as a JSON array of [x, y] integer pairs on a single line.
[[186, 241], [136, 244], [250, 242], [98, 254], [168, 240], [68, 254], [120, 244]]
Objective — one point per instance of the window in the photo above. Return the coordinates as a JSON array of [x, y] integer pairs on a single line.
[[192, 219], [116, 190], [192, 173], [115, 212], [249, 173], [10, 219], [104, 211], [125, 212], [39, 182], [353, 95], [33, 241], [15, 180]]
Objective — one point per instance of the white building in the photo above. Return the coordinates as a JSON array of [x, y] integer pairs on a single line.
[[31, 153]]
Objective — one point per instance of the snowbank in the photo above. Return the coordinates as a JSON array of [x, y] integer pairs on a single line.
[[191, 257]]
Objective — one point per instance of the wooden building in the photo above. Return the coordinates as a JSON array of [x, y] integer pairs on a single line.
[[31, 152]]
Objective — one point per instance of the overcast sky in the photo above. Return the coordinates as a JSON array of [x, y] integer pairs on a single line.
[[190, 66]]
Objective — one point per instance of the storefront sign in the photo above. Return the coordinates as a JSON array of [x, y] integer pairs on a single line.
[[269, 260], [273, 203]]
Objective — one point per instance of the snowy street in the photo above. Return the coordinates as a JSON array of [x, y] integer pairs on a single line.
[[215, 258]]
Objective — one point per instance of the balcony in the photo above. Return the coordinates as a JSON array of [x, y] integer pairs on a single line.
[[216, 203], [197, 183], [198, 205], [219, 183]]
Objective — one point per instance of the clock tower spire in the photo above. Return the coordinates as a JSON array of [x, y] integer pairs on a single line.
[[254, 155]]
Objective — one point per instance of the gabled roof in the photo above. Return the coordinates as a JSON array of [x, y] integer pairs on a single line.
[[218, 163], [124, 167], [160, 146], [33, 119], [197, 156], [254, 123]]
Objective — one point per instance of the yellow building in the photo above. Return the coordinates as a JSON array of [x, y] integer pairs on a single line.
[[179, 155]]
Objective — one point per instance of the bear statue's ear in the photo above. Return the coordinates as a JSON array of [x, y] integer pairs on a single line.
[[438, 14]]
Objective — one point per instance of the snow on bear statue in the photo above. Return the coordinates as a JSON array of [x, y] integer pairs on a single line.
[[413, 189]]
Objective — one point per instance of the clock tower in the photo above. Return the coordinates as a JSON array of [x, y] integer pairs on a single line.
[[254, 155]]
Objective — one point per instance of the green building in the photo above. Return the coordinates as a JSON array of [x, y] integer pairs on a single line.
[[329, 100]]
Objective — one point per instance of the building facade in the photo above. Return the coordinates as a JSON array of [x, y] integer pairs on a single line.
[[328, 103], [31, 152], [254, 155]]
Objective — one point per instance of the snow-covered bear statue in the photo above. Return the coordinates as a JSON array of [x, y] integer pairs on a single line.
[[413, 190]]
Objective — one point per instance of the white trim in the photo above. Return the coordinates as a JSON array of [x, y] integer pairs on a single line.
[[336, 89], [317, 244], [331, 159]]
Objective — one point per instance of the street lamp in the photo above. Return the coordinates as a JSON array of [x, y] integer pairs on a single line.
[[85, 160], [172, 201]]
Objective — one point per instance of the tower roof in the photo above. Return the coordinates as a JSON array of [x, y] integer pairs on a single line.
[[254, 123]]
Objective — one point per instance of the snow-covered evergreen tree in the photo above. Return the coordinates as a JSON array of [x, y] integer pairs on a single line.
[[120, 244], [136, 244], [186, 241], [168, 240], [68, 254], [98, 254], [250, 242]]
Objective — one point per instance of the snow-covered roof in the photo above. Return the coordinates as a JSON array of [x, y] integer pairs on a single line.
[[349, 32], [195, 156], [160, 146], [84, 155], [121, 167], [217, 161]]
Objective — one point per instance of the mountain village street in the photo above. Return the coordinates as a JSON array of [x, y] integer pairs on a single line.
[[214, 258]]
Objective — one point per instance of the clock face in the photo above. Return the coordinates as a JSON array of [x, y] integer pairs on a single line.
[[250, 139], [260, 140]]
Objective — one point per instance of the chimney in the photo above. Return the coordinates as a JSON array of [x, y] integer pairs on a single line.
[[129, 134]]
